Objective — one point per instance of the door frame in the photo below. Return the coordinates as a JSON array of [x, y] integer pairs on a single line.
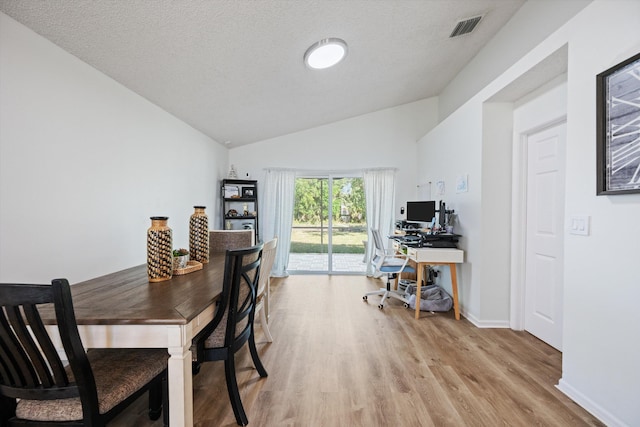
[[519, 220], [329, 176]]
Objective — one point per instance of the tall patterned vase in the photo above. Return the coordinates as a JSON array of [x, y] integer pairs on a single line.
[[159, 250], [199, 235]]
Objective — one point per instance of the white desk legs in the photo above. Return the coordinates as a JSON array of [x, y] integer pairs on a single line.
[[180, 379]]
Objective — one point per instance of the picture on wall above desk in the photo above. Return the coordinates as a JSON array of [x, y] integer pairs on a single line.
[[617, 125], [440, 188], [461, 184]]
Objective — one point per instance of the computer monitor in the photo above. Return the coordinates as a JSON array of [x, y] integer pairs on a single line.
[[421, 211]]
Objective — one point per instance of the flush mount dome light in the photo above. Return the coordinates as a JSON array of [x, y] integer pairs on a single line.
[[325, 53]]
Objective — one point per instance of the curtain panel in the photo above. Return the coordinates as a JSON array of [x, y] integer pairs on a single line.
[[379, 189], [277, 214]]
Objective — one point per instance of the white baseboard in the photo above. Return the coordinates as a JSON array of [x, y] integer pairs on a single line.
[[485, 323], [589, 405]]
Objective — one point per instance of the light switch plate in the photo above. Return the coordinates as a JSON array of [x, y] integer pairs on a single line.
[[579, 225]]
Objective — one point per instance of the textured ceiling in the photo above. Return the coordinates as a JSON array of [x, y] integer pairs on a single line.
[[233, 69]]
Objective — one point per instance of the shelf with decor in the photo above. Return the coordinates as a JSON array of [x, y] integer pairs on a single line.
[[240, 205]]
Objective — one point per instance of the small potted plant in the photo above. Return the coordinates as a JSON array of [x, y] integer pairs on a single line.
[[180, 258]]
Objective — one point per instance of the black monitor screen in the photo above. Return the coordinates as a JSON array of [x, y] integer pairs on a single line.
[[421, 211]]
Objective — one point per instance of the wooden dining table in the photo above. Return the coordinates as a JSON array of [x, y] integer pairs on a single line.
[[125, 310]]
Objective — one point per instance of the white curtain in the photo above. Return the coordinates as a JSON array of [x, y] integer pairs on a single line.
[[277, 214], [379, 190]]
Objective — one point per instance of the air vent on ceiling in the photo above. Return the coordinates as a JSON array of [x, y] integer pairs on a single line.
[[465, 27]]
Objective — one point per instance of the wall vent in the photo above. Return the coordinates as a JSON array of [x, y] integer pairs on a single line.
[[465, 26]]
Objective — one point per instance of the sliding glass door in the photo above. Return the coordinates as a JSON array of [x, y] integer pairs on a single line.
[[329, 226]]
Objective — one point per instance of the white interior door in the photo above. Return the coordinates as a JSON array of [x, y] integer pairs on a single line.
[[544, 263]]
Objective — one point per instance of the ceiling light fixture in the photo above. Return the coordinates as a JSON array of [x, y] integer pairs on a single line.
[[325, 53]]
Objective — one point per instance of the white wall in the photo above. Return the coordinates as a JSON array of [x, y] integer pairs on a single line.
[[385, 138], [84, 163], [497, 138], [602, 322], [451, 149], [529, 26], [600, 331]]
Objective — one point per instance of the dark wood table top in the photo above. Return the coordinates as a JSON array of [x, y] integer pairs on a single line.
[[127, 297]]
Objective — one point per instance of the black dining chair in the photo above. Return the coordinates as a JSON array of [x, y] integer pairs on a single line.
[[232, 325], [91, 390]]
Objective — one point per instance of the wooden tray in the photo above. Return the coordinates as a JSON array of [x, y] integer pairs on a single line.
[[190, 268]]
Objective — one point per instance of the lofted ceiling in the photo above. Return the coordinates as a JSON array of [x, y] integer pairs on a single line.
[[234, 69]]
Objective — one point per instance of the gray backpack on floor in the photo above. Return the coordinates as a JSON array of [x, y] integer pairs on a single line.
[[433, 298]]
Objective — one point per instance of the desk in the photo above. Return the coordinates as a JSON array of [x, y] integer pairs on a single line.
[[437, 256], [124, 310]]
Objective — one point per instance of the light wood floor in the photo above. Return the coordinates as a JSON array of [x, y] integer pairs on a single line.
[[337, 361]]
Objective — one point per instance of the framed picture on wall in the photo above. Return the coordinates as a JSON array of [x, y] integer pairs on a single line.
[[618, 128]]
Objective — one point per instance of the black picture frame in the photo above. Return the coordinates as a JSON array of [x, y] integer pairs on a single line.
[[249, 192], [618, 128]]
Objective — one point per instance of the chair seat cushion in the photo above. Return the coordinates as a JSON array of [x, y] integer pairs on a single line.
[[118, 374], [396, 268], [216, 339]]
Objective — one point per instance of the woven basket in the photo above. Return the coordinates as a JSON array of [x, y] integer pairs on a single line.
[[191, 267]]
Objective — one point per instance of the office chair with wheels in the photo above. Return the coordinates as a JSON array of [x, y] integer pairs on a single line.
[[232, 325], [388, 264], [91, 390]]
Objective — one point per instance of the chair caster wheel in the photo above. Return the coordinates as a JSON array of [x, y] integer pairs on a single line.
[[406, 305], [380, 306], [364, 298]]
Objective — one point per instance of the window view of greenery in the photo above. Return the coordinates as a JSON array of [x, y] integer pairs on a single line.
[[311, 216]]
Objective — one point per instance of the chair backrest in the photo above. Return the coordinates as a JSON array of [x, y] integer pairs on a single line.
[[223, 240], [232, 323], [382, 260], [380, 251], [30, 367], [268, 256]]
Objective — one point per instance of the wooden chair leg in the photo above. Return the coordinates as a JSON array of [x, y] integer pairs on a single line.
[[195, 368], [165, 400], [265, 325], [7, 410], [255, 357], [155, 400], [234, 392]]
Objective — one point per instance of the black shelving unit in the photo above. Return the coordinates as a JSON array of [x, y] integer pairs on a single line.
[[240, 205]]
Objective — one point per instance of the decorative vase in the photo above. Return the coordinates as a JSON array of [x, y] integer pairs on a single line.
[[232, 173], [199, 235], [159, 250]]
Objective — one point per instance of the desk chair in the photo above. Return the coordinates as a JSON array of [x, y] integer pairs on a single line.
[[93, 388], [232, 325], [262, 302], [388, 264]]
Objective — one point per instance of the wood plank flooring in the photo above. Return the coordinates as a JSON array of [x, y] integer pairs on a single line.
[[337, 361]]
